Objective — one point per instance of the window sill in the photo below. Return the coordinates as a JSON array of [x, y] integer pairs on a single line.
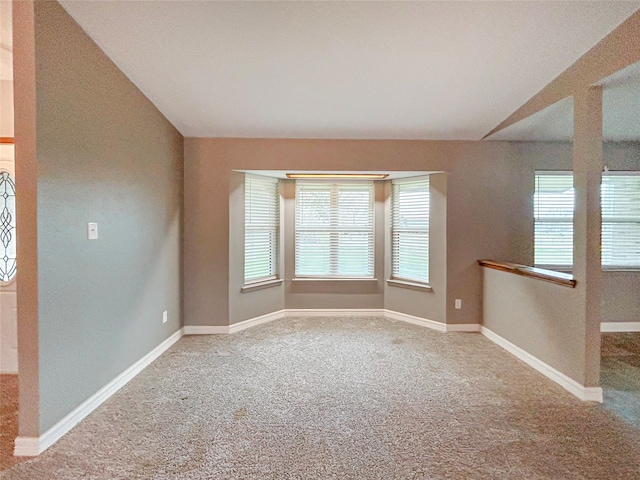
[[621, 269], [260, 285], [329, 279], [424, 287]]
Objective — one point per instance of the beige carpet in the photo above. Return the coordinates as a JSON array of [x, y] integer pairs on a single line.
[[8, 420], [341, 398], [620, 375]]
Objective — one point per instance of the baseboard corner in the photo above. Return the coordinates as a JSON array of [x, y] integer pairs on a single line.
[[26, 447], [413, 320], [33, 446], [463, 327]]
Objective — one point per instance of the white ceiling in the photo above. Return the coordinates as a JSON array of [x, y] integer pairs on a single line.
[[620, 114], [424, 70]]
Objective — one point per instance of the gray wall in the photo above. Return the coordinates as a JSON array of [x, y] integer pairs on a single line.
[[542, 318], [104, 154], [328, 294], [620, 290], [484, 212], [431, 305], [254, 303]]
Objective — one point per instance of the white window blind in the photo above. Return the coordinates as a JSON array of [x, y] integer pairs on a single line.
[[553, 205], [262, 228], [620, 196], [334, 229], [410, 230]]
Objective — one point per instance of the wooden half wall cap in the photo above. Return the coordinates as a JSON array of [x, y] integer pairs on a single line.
[[559, 278]]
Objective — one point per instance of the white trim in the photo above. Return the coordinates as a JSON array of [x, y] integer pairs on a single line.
[[592, 394], [332, 312], [206, 329], [32, 446], [395, 282], [252, 322], [620, 327], [422, 322], [463, 327], [250, 287], [26, 447]]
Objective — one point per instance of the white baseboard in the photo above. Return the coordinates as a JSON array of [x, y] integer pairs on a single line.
[[27, 447], [32, 446], [609, 327], [463, 327], [205, 330], [593, 394], [332, 312], [422, 322], [252, 322], [335, 312]]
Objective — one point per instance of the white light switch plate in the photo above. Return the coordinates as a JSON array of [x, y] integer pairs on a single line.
[[458, 303], [92, 231]]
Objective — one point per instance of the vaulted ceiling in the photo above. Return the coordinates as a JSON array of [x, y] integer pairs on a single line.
[[405, 70]]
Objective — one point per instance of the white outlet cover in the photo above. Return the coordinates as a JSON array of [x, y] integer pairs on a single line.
[[92, 231], [458, 303]]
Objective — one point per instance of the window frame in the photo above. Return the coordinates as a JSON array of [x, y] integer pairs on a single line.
[[605, 221], [400, 280], [559, 220], [334, 245], [275, 276]]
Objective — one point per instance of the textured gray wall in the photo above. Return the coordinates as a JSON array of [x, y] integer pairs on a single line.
[[483, 187], [431, 305], [545, 319], [254, 303], [620, 290], [328, 294], [105, 154]]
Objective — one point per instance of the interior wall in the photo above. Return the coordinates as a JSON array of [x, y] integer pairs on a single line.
[[105, 154], [419, 303], [254, 303], [620, 290], [331, 294], [24, 76], [542, 318], [486, 214], [8, 301]]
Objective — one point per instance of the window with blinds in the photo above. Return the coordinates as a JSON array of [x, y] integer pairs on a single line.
[[553, 204], [620, 197], [410, 230], [262, 228], [334, 230]]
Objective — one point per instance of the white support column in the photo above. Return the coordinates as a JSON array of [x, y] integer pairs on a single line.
[[587, 177]]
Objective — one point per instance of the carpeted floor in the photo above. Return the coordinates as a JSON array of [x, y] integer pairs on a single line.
[[347, 398], [620, 375], [8, 420]]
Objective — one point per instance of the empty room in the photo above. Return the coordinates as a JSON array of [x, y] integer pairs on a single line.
[[367, 240]]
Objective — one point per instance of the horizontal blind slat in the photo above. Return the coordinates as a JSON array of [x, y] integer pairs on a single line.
[[262, 228], [334, 229], [410, 230]]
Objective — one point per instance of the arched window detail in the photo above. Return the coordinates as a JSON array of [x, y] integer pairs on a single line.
[[7, 227]]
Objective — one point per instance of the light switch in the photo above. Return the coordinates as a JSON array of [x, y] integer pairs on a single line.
[[92, 231]]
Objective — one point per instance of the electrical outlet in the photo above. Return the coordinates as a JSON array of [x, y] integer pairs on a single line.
[[458, 303], [92, 231], [165, 317]]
